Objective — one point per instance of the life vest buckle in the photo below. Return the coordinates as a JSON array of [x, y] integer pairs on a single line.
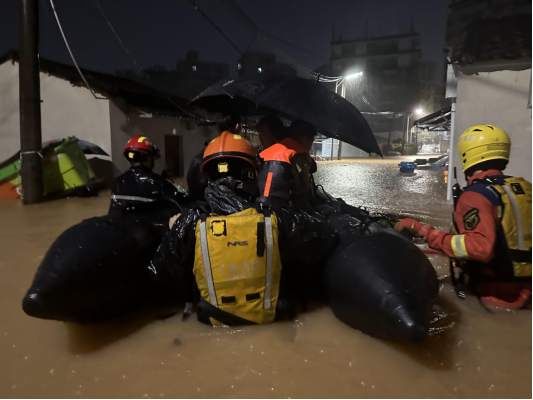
[[218, 227]]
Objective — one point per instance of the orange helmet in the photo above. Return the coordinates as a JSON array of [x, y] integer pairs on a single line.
[[229, 151]]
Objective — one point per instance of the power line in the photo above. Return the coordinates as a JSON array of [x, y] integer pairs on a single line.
[[217, 28], [133, 60], [244, 16], [58, 22], [115, 33], [259, 34]]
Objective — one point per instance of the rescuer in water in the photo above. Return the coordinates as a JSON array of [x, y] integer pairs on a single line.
[[140, 191], [491, 244]]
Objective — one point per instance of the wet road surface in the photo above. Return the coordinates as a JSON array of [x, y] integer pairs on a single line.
[[482, 355]]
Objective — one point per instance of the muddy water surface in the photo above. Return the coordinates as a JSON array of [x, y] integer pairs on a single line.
[[482, 355]]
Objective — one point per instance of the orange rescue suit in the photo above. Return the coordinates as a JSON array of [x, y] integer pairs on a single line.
[[286, 176]]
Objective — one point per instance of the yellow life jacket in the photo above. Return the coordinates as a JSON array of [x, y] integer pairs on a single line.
[[515, 218], [237, 264]]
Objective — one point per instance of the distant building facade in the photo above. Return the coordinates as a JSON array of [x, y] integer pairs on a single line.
[[254, 64], [390, 66], [394, 80], [190, 76]]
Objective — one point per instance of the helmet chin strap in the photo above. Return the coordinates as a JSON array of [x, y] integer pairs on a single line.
[[467, 177]]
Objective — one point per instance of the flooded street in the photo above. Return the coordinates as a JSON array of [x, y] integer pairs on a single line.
[[482, 355]]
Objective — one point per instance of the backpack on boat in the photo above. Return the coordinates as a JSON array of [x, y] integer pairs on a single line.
[[237, 268]]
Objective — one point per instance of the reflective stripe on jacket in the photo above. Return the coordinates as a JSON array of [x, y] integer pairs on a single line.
[[488, 226], [286, 176]]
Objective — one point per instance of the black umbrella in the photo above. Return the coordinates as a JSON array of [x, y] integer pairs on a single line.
[[296, 98]]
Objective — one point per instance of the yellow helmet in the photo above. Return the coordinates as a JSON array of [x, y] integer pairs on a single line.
[[483, 142]]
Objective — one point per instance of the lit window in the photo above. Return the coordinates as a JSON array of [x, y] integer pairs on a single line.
[[194, 68]]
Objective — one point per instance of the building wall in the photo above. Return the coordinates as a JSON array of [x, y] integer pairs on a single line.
[[323, 149], [126, 123], [499, 97], [349, 151], [9, 110], [66, 110]]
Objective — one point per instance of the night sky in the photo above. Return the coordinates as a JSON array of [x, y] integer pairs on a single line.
[[159, 32]]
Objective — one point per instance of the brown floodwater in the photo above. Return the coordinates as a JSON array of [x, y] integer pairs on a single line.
[[480, 355]]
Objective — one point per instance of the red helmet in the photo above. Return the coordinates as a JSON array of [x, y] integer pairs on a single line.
[[140, 147]]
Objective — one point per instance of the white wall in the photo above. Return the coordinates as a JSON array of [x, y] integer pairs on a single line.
[[66, 110], [349, 151], [123, 126], [9, 110], [501, 98]]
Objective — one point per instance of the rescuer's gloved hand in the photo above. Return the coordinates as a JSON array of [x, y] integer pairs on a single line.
[[413, 226]]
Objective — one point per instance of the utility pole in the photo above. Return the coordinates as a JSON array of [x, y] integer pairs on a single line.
[[342, 85], [30, 102], [406, 137]]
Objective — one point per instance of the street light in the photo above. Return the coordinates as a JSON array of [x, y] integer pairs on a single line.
[[418, 111], [340, 83], [354, 75], [346, 78]]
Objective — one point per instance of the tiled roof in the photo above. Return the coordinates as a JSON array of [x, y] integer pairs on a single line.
[[132, 92]]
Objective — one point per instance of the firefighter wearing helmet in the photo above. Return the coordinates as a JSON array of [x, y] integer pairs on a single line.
[[141, 191], [140, 151], [236, 234], [231, 159], [490, 246]]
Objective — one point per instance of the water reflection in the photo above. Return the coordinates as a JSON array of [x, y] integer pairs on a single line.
[[481, 355], [380, 186]]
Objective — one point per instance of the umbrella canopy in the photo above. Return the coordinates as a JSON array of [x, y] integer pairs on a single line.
[[295, 98]]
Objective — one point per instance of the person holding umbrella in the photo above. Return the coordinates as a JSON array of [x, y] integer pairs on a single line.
[[285, 178]]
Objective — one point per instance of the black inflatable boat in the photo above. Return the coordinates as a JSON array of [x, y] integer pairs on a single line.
[[374, 280]]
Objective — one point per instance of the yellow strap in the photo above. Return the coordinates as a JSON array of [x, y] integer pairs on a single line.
[[207, 265], [459, 246], [267, 303], [522, 269], [517, 217]]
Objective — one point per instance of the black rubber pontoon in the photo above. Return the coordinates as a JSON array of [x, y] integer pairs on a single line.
[[382, 285]]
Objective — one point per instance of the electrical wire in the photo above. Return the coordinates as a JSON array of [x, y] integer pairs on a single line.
[[259, 31], [71, 54], [217, 28], [135, 64], [100, 8], [260, 34]]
